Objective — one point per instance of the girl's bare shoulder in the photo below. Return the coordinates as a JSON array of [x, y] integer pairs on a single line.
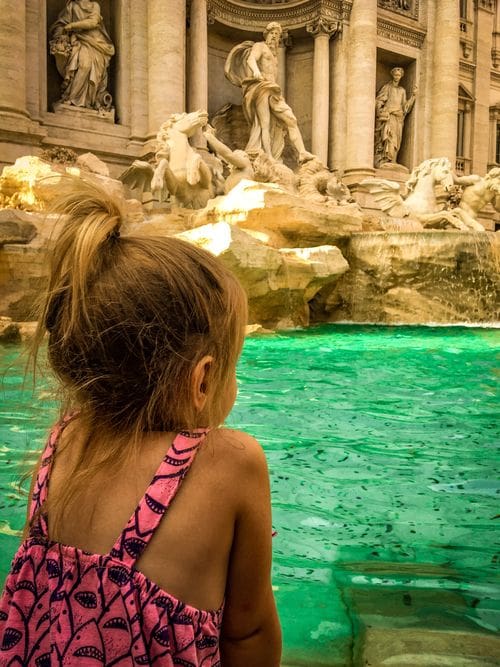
[[237, 450]]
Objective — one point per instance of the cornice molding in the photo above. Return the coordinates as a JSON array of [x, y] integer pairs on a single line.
[[400, 33], [291, 14]]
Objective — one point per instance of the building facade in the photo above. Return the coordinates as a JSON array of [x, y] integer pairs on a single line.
[[333, 58]]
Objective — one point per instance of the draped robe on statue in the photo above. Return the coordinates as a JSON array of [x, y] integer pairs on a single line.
[[254, 90], [85, 70]]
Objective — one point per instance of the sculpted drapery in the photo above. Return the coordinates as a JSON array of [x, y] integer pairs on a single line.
[[83, 50]]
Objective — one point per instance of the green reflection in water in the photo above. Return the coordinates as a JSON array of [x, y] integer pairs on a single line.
[[382, 445]]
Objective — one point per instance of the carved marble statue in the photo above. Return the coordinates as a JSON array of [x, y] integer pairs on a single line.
[[476, 196], [320, 185], [421, 201], [83, 49], [240, 164], [179, 170], [253, 66], [391, 109]]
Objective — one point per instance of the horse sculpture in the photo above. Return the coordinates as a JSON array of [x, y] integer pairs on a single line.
[[421, 199], [179, 170]]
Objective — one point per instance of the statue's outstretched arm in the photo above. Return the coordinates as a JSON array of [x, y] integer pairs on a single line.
[[225, 152]]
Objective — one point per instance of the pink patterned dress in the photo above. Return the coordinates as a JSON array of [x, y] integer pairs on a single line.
[[65, 606]]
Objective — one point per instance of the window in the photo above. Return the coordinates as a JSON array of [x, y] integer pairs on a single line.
[[463, 9]]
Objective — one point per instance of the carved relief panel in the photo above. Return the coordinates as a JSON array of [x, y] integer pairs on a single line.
[[405, 7]]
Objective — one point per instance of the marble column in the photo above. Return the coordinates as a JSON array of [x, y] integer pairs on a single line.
[[444, 107], [13, 59], [338, 104], [284, 43], [198, 56], [492, 143], [139, 78], [166, 60], [480, 132], [361, 77], [467, 130], [198, 63], [321, 31]]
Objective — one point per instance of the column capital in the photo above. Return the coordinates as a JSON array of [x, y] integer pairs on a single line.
[[322, 26], [285, 40]]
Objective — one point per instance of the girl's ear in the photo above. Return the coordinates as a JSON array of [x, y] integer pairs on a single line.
[[199, 378]]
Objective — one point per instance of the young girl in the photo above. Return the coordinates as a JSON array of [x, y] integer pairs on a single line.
[[148, 539]]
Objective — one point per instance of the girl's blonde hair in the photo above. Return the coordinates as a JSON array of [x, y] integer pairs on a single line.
[[128, 319]]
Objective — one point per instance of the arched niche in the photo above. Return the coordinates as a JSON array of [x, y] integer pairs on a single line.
[[386, 60]]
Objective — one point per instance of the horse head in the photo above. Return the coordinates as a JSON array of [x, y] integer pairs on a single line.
[[439, 169], [186, 123]]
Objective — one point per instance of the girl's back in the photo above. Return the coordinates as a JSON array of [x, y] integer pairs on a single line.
[[169, 528]]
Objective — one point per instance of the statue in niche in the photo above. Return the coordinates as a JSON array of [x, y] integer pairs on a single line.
[[253, 66], [82, 49], [391, 109]]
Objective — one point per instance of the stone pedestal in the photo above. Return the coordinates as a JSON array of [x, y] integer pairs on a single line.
[[75, 113]]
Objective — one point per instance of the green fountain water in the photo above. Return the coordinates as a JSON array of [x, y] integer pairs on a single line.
[[382, 445]]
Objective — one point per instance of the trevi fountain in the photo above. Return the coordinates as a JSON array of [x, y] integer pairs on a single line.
[[342, 158]]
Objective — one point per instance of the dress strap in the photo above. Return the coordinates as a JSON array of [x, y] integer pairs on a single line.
[[39, 528], [149, 512]]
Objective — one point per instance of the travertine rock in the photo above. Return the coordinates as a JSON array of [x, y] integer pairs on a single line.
[[433, 276], [90, 162], [15, 227], [284, 219], [279, 283], [9, 331]]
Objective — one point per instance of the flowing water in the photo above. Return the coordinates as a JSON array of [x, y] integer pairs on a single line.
[[383, 449]]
